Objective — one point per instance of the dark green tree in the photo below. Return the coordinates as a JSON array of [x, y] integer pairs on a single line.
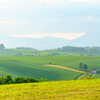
[[85, 66], [19, 80], [8, 79], [1, 80], [2, 47], [80, 65]]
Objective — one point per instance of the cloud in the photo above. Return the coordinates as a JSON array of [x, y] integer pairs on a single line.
[[68, 36], [54, 1], [7, 22], [6, 1], [91, 18], [74, 1], [95, 19], [47, 1], [84, 1]]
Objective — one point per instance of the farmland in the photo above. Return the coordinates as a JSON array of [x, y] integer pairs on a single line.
[[60, 90], [36, 66], [26, 69]]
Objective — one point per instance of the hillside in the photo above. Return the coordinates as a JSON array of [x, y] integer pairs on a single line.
[[37, 66], [61, 90]]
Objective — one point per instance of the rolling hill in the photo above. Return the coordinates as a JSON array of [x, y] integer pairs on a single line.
[[31, 66]]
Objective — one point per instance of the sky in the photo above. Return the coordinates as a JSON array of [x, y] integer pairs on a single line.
[[62, 19]]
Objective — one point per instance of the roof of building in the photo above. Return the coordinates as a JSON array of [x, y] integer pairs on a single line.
[[94, 69]]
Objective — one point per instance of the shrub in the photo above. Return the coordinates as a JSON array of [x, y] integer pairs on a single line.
[[8, 79]]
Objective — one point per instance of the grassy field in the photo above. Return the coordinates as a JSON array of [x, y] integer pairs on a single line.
[[26, 69], [60, 90], [30, 66], [69, 61]]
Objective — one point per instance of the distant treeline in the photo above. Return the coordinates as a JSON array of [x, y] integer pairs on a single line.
[[2, 47], [69, 49], [79, 49], [9, 80], [25, 48]]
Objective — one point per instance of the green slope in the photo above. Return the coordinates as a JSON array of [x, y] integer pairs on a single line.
[[28, 66], [69, 61], [20, 68]]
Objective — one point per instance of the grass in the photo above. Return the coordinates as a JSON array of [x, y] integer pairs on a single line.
[[30, 66], [19, 68], [69, 61], [60, 90]]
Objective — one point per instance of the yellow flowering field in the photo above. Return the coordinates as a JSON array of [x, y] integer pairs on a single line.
[[58, 90]]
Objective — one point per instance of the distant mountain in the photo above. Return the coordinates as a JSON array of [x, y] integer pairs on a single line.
[[49, 42]]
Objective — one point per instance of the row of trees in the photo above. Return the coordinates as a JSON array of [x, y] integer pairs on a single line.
[[9, 80], [83, 66], [80, 49], [25, 48]]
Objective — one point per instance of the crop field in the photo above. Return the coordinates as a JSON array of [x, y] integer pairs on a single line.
[[59, 90], [69, 61], [16, 68], [35, 66], [66, 68]]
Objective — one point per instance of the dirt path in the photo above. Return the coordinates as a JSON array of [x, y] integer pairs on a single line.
[[67, 68], [85, 75]]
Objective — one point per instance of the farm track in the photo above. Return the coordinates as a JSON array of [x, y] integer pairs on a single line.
[[66, 68], [82, 76]]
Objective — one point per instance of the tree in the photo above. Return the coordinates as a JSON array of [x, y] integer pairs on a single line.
[[85, 66], [50, 63], [19, 80], [1, 80], [2, 47], [31, 79], [25, 80], [8, 79], [81, 65]]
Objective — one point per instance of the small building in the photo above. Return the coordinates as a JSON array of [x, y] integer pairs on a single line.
[[94, 71]]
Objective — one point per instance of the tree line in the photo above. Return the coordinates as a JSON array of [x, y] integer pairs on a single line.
[[9, 80], [94, 49]]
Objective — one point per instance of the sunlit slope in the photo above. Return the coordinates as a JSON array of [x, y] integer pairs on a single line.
[[61, 90]]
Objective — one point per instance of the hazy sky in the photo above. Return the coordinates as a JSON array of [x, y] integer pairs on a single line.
[[68, 19]]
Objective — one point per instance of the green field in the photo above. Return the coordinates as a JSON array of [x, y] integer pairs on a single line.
[[30, 66], [61, 90], [26, 69]]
